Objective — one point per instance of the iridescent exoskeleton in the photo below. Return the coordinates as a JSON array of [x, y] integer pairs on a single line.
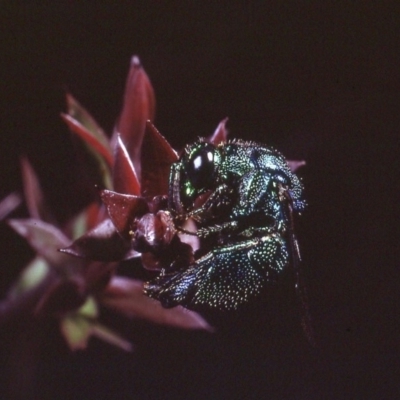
[[242, 196]]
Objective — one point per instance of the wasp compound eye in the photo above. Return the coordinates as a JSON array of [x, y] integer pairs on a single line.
[[201, 167]]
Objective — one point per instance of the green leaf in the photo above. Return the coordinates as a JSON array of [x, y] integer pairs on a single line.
[[89, 309], [76, 331], [32, 275], [79, 326]]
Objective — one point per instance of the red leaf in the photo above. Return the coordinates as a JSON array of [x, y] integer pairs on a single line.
[[109, 336], [156, 229], [124, 175], [80, 114], [220, 135], [192, 240], [98, 274], [126, 296], [102, 243], [44, 238], [88, 137], [33, 193], [157, 157], [151, 261], [9, 204], [139, 106], [94, 213], [122, 209], [62, 296], [87, 219]]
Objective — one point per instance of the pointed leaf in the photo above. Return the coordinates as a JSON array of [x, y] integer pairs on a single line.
[[126, 296], [123, 209], [139, 106], [86, 220], [76, 331], [9, 204], [44, 238], [82, 116], [32, 275], [157, 157], [89, 308], [33, 193], [102, 243], [124, 175], [98, 156], [220, 135], [91, 140], [62, 296], [21, 301], [111, 337], [157, 230], [97, 275], [294, 165], [79, 326]]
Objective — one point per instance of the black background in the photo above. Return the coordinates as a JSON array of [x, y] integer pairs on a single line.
[[320, 82]]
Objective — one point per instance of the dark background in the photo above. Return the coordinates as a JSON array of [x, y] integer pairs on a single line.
[[320, 82]]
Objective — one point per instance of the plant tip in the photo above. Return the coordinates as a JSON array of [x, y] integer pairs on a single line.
[[135, 61]]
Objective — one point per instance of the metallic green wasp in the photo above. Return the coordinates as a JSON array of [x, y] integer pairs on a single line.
[[242, 196]]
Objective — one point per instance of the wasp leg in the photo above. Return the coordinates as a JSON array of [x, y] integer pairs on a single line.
[[220, 197], [225, 277], [226, 227]]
